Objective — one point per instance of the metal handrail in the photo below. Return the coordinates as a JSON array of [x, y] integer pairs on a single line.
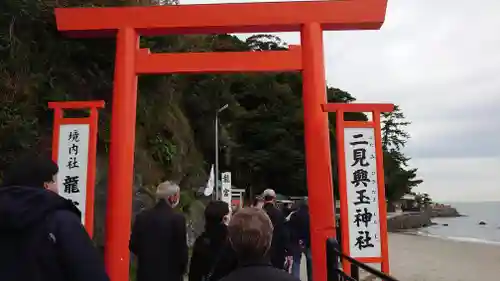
[[335, 273]]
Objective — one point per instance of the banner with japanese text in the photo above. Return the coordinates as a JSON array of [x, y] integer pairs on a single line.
[[73, 162], [74, 145], [226, 188], [362, 193]]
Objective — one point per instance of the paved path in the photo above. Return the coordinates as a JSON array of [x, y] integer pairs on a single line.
[[303, 269]]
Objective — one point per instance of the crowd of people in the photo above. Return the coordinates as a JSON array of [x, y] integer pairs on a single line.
[[260, 241], [42, 237]]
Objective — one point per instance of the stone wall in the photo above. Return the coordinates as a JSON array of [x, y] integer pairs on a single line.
[[409, 221], [444, 212]]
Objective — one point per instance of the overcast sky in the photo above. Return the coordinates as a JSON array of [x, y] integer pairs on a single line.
[[440, 61]]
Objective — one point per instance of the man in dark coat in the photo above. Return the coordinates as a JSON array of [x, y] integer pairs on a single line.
[[41, 235], [158, 238], [287, 209], [280, 238], [299, 225], [250, 233]]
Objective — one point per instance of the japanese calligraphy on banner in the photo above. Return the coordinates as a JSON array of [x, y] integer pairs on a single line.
[[226, 188], [73, 162], [362, 192]]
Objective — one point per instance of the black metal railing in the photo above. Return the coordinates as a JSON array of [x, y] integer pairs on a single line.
[[334, 256]]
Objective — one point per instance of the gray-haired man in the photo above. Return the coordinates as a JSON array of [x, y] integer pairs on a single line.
[[277, 252], [159, 238]]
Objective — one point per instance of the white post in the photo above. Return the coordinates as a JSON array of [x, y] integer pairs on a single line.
[[216, 186], [216, 182]]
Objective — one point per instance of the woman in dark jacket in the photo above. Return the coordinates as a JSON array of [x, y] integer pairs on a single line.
[[212, 256]]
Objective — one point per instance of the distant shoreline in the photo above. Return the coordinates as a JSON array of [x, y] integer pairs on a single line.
[[421, 232]]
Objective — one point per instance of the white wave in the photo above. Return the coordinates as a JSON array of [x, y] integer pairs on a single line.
[[458, 238]]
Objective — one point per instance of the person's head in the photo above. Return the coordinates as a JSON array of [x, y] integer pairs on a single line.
[[32, 171], [217, 213], [235, 208], [304, 203], [269, 195], [170, 192], [258, 202], [250, 233]]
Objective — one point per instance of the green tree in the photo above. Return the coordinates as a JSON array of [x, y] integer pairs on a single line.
[[394, 135], [265, 42], [423, 199], [399, 179]]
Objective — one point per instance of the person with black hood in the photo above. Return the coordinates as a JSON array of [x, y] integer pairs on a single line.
[[41, 234], [213, 257]]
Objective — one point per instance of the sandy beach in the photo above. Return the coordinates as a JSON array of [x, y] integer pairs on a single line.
[[420, 258]]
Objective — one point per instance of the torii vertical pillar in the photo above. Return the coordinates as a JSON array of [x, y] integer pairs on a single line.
[[317, 145], [121, 154]]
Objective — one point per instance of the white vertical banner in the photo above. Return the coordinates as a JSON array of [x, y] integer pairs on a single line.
[[209, 188], [73, 152], [226, 188], [362, 193]]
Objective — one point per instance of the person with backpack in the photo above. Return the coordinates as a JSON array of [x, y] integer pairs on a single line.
[[41, 234], [213, 257]]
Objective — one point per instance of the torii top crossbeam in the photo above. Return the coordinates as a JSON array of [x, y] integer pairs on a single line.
[[223, 18]]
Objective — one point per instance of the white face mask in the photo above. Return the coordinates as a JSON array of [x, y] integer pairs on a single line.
[[175, 203], [226, 219], [172, 203]]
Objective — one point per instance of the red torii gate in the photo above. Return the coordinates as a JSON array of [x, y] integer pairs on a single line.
[[127, 24]]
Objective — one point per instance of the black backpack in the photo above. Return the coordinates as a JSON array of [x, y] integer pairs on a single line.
[[30, 254]]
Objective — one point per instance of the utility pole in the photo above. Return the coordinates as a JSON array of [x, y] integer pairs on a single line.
[[217, 195]]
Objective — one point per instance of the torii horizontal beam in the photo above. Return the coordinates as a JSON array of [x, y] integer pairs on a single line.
[[219, 62], [223, 18], [358, 107]]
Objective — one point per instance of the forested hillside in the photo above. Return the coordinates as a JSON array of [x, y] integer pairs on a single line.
[[261, 131]]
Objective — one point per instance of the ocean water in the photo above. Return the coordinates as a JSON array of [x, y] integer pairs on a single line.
[[467, 228]]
